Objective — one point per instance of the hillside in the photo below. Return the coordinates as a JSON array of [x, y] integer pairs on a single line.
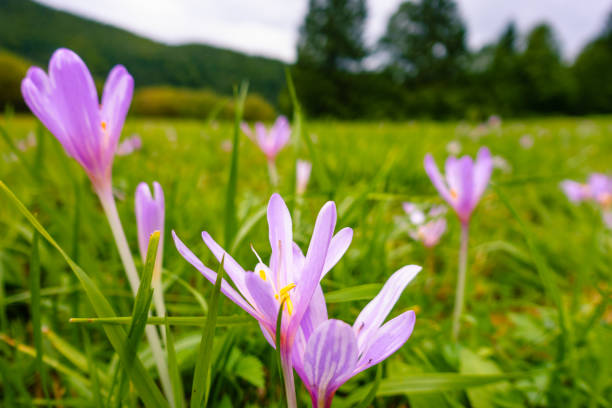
[[35, 31]]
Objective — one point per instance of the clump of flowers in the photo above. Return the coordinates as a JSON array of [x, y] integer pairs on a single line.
[[426, 227]]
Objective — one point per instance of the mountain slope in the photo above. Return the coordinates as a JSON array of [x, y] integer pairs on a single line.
[[35, 31]]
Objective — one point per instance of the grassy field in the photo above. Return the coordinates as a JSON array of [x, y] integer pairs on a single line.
[[538, 289]]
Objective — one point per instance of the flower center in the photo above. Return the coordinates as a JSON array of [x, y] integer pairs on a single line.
[[283, 296], [453, 193]]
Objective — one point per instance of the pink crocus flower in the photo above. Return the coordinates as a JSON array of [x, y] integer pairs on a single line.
[[329, 352], [66, 102], [272, 140], [129, 145], [303, 169], [288, 278], [598, 188], [426, 228], [465, 181]]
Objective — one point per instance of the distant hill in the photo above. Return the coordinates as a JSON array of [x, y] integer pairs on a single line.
[[34, 31]]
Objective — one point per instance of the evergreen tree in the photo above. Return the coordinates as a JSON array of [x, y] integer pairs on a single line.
[[426, 40], [331, 37]]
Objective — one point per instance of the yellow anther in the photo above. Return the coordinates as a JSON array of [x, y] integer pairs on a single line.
[[284, 297], [262, 274], [103, 125], [453, 193]]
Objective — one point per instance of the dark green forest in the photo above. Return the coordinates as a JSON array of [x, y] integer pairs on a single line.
[[423, 66]]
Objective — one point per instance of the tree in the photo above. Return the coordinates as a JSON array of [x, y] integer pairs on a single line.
[[426, 40], [547, 80], [331, 37], [593, 75]]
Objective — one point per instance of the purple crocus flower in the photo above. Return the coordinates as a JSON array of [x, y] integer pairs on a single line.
[[66, 102], [289, 278], [430, 232], [465, 181], [575, 192], [598, 188], [270, 141], [330, 352], [149, 210]]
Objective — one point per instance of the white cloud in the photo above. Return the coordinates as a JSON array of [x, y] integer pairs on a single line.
[[270, 27]]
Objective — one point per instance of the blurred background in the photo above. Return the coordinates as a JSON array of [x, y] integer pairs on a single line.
[[350, 59]]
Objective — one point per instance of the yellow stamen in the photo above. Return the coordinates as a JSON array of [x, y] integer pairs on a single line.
[[262, 274], [284, 297], [453, 193], [103, 125]]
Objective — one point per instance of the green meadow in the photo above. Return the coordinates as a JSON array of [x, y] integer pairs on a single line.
[[537, 325]]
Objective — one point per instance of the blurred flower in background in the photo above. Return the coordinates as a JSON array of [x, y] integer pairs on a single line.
[[129, 145]]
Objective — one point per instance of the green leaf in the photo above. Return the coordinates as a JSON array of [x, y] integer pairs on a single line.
[[222, 321], [200, 389], [360, 292], [35, 307], [367, 400], [230, 197], [143, 383], [435, 382], [93, 370], [175, 374], [481, 397], [251, 369]]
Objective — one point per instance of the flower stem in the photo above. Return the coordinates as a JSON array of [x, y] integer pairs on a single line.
[[110, 209], [288, 377], [273, 174], [460, 294]]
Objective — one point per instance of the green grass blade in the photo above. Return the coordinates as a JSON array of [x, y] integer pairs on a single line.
[[230, 197], [175, 373], [142, 303], [75, 356], [17, 152], [143, 383], [277, 340], [199, 321], [436, 382], [92, 369], [247, 226], [353, 293], [373, 389], [200, 388], [35, 307], [197, 295]]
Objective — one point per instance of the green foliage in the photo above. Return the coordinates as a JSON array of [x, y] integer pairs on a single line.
[[12, 71], [331, 37], [426, 40]]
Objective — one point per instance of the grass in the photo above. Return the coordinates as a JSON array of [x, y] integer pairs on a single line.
[[536, 331]]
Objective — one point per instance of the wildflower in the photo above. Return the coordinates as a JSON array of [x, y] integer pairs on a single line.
[[66, 102], [149, 210], [465, 181], [526, 142], [129, 145], [289, 278], [429, 228], [270, 141], [329, 352], [303, 169], [453, 147], [501, 164]]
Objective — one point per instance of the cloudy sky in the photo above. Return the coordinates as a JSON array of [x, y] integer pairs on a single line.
[[270, 27]]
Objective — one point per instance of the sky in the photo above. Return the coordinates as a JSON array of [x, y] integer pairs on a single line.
[[270, 27]]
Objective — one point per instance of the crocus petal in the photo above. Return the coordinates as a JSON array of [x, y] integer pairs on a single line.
[[465, 176], [116, 100], [281, 132], [338, 246], [482, 172], [263, 295], [436, 178], [149, 215], [261, 135], [329, 360], [36, 91], [75, 101], [233, 269], [226, 288], [313, 318], [315, 260], [281, 240], [374, 314], [389, 338]]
